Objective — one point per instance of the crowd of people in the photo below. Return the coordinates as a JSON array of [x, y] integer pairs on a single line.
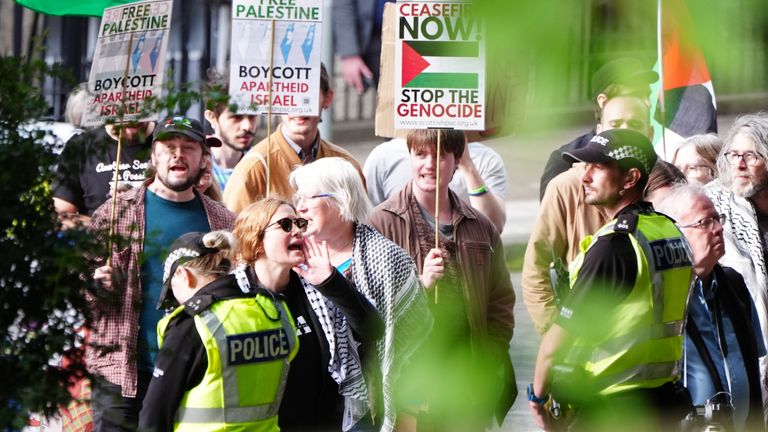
[[255, 286], [646, 278], [280, 285]]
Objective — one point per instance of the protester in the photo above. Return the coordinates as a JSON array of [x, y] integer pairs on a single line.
[[618, 77], [613, 352], [235, 130], [206, 184], [473, 306], [331, 196], [723, 340], [357, 40], [697, 158], [325, 383], [481, 178], [203, 342], [297, 141], [148, 219], [664, 177], [740, 193], [563, 220], [85, 175]]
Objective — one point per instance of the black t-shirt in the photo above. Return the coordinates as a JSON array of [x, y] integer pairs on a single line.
[[606, 277], [85, 172]]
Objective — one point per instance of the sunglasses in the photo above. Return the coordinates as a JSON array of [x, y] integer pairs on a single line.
[[286, 224]]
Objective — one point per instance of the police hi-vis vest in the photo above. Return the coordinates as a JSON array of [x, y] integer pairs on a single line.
[[640, 340], [249, 343]]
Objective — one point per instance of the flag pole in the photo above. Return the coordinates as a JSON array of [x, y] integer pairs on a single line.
[[437, 204], [116, 170], [269, 102], [660, 54]]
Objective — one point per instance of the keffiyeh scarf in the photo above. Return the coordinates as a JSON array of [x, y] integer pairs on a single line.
[[387, 276]]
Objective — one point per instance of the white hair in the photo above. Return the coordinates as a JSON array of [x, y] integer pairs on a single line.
[[752, 126], [339, 178], [678, 199]]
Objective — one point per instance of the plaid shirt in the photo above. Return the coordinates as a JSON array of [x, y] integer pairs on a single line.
[[116, 323]]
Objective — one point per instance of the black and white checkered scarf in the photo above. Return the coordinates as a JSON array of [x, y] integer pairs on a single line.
[[388, 277]]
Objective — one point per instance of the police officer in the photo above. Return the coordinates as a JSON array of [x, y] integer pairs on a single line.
[[614, 350], [224, 354]]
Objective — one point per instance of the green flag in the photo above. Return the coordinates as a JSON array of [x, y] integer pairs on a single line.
[[66, 7]]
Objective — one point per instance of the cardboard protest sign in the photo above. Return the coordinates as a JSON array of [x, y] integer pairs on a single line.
[[439, 66], [129, 61], [291, 62]]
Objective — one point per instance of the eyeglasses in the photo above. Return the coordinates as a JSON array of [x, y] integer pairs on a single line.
[[298, 198], [698, 168], [286, 224], [750, 158], [706, 223]]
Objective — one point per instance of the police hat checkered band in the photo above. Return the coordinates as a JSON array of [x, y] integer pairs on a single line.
[[175, 256], [625, 152]]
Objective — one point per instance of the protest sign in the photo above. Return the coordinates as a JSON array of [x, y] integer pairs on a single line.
[[287, 58], [129, 60], [439, 67]]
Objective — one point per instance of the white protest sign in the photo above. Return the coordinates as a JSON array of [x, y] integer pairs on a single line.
[[118, 73], [294, 56], [439, 67]]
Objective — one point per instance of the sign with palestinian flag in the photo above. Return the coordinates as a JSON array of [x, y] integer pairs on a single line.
[[129, 62], [439, 67], [281, 77], [685, 104]]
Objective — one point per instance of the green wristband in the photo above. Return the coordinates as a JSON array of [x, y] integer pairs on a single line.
[[479, 191]]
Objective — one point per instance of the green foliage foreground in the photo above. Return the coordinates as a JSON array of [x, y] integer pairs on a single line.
[[42, 292]]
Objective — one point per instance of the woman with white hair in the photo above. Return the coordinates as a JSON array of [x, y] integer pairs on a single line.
[[331, 197]]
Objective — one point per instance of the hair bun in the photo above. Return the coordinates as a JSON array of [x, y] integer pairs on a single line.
[[221, 240]]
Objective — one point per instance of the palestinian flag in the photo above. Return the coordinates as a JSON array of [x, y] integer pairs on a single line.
[[687, 105], [414, 64], [70, 7]]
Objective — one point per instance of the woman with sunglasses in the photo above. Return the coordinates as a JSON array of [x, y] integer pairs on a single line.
[[326, 309], [331, 196]]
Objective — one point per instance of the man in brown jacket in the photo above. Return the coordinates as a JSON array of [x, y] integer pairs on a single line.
[[296, 142], [469, 282]]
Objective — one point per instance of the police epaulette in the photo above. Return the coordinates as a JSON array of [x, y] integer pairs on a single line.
[[199, 303], [626, 222]]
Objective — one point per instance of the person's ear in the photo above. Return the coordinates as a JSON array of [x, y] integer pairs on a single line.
[[188, 278], [632, 178], [327, 100], [212, 119], [599, 128], [601, 98]]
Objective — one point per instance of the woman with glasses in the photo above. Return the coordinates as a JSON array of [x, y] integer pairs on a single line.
[[326, 309], [697, 158], [331, 196]]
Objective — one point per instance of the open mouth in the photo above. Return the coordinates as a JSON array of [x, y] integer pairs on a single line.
[[178, 168]]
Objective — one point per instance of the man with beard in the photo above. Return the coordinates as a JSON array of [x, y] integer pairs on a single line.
[[148, 219], [740, 194], [296, 142], [614, 349], [235, 130]]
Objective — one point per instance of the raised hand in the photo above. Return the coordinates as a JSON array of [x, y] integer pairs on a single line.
[[317, 263]]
